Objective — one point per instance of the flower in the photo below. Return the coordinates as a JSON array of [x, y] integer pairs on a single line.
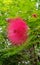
[[17, 31]]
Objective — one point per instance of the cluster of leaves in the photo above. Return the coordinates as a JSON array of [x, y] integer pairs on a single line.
[[24, 54]]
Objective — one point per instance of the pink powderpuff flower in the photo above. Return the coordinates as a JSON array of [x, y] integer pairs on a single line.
[[17, 31]]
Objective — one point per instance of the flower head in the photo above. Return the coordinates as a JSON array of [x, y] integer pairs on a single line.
[[17, 30]]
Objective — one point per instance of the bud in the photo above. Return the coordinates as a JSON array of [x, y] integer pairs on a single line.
[[34, 15]]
